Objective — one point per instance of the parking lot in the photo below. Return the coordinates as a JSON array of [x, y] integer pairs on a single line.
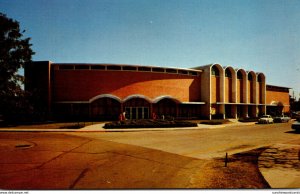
[[206, 142], [141, 159]]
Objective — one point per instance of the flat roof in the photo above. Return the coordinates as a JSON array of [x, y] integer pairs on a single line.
[[148, 66], [279, 87]]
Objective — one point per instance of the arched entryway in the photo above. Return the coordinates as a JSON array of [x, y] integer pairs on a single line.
[[275, 108], [137, 108], [166, 107], [105, 108]]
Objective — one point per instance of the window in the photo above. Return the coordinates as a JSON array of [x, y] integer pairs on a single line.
[[144, 69], [113, 67], [66, 67], [82, 67], [215, 71], [183, 72], [129, 68], [228, 73], [193, 73], [158, 70], [171, 70], [98, 67]]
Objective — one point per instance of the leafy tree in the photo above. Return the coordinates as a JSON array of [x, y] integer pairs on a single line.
[[15, 51]]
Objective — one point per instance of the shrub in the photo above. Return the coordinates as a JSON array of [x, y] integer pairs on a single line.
[[211, 122], [244, 120], [148, 123]]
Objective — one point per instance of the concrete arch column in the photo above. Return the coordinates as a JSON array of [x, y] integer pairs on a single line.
[[252, 85], [217, 92], [252, 93], [261, 94], [230, 92], [242, 108]]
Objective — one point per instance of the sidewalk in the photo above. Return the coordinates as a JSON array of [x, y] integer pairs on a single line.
[[100, 128], [280, 165]]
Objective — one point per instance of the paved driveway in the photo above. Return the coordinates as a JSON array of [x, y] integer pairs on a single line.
[[204, 143], [147, 159]]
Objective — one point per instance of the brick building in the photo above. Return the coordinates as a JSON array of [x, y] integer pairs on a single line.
[[103, 91]]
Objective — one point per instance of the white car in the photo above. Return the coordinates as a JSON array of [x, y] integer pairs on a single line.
[[266, 119]]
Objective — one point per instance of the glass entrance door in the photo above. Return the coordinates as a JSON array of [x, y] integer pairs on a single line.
[[137, 112]]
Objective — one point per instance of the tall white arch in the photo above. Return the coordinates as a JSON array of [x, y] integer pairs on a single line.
[[159, 98]]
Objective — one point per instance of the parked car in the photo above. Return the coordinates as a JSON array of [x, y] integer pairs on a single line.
[[281, 119], [296, 125], [296, 115], [266, 119]]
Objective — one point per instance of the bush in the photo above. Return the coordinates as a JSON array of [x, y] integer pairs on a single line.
[[212, 122], [148, 123], [73, 126], [244, 120]]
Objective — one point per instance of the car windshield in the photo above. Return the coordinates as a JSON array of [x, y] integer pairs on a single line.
[[265, 116]]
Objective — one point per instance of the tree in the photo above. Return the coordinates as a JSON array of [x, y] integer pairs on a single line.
[[15, 51]]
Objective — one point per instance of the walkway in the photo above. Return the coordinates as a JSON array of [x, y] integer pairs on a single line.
[[280, 165]]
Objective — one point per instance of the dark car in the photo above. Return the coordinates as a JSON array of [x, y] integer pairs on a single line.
[[282, 119], [296, 125]]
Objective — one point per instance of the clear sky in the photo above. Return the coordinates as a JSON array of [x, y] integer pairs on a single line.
[[258, 35]]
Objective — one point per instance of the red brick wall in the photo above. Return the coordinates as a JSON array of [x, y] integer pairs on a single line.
[[278, 96], [82, 85]]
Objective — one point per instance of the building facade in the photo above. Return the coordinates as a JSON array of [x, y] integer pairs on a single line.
[[103, 91]]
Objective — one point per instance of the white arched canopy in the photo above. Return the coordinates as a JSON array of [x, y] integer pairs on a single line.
[[159, 98], [105, 96], [137, 96]]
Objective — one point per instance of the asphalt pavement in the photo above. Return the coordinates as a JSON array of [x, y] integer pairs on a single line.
[[38, 161]]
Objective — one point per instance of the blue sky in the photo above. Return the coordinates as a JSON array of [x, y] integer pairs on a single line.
[[258, 35]]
